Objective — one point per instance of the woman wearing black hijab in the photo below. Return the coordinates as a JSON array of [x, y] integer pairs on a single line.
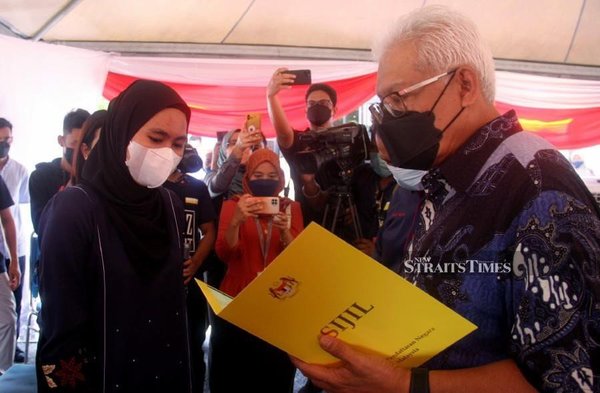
[[111, 280]]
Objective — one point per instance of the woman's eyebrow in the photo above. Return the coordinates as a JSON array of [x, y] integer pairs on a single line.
[[159, 131]]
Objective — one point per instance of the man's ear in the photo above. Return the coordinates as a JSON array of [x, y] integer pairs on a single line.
[[61, 140], [469, 85], [333, 112]]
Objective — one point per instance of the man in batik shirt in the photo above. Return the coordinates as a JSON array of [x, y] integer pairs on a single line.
[[508, 236]]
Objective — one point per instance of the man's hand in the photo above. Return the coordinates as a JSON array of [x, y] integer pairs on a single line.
[[283, 129], [310, 187], [189, 269], [14, 274], [280, 80], [358, 371], [365, 245]]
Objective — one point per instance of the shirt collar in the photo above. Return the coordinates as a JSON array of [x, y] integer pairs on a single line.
[[461, 167]]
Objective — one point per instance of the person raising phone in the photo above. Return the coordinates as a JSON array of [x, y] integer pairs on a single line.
[[313, 190], [248, 240], [321, 107], [231, 159]]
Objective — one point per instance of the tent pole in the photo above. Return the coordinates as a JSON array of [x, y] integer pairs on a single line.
[[55, 19]]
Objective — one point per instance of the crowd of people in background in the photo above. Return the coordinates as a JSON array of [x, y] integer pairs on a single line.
[[124, 229]]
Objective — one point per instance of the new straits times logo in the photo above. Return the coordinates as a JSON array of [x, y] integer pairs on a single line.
[[424, 265]]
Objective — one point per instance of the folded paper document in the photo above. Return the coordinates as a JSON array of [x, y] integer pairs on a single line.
[[321, 285]]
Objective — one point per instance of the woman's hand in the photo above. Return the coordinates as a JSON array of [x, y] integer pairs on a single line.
[[282, 221], [247, 139], [247, 206]]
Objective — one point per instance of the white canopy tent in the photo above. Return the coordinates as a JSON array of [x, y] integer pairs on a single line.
[[558, 38], [544, 36]]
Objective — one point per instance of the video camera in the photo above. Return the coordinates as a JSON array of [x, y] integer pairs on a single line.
[[347, 144], [191, 161]]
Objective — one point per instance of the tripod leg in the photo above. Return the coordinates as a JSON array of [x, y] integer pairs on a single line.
[[325, 214], [338, 204], [355, 221]]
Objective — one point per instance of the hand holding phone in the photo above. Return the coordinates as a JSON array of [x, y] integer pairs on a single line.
[[253, 122], [270, 205], [252, 125], [303, 77], [284, 79]]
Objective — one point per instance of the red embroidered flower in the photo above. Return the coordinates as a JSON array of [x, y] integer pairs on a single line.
[[69, 372]]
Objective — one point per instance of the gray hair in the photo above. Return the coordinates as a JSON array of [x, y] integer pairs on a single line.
[[445, 39]]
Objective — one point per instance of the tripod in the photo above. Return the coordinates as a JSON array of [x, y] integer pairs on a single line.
[[340, 199]]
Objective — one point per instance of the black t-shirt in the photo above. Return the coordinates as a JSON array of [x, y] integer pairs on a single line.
[[289, 154], [6, 201], [46, 180], [198, 207], [363, 186]]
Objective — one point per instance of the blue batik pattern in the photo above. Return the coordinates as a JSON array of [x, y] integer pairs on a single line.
[[508, 199]]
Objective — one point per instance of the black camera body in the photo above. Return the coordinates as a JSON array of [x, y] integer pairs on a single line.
[[191, 161], [347, 144]]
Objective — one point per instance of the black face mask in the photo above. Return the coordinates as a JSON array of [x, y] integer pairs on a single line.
[[4, 148], [263, 187], [318, 114], [413, 141], [68, 154], [191, 161]]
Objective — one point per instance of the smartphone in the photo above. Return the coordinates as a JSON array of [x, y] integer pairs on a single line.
[[302, 77], [270, 205], [253, 122]]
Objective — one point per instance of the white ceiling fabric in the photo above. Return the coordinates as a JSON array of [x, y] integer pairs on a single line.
[[233, 72], [546, 92], [554, 31]]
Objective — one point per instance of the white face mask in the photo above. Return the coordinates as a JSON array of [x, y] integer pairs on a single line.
[[409, 179], [150, 167]]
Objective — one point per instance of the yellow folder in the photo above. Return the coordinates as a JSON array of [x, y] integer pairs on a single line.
[[321, 285]]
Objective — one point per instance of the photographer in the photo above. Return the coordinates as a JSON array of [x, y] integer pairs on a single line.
[[311, 189]]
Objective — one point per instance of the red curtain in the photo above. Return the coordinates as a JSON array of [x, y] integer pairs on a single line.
[[564, 128], [222, 108]]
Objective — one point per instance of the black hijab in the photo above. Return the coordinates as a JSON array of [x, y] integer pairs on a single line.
[[137, 212]]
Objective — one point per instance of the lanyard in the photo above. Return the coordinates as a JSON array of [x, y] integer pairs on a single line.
[[265, 242]]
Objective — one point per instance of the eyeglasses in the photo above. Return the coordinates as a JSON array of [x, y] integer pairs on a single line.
[[326, 103], [394, 103]]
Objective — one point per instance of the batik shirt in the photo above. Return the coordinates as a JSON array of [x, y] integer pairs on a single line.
[[509, 237]]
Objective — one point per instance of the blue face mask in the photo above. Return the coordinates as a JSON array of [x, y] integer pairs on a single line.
[[379, 166], [263, 187], [409, 179]]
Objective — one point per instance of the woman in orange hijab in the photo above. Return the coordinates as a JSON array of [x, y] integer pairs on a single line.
[[248, 240]]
